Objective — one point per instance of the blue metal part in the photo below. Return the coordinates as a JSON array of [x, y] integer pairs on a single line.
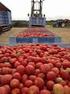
[[37, 21], [16, 40], [5, 18], [23, 40]]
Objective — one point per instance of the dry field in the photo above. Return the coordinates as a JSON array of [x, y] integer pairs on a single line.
[[64, 33]]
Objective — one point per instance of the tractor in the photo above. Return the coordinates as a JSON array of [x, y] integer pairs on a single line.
[[61, 23]]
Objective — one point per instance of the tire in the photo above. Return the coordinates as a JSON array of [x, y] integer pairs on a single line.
[[0, 30]]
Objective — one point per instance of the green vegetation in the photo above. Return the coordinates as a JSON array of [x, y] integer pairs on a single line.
[[19, 23], [24, 23]]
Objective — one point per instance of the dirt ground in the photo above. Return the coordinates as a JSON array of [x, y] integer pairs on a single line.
[[64, 33], [4, 37]]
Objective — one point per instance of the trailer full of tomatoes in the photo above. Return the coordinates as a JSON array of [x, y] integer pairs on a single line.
[[35, 32], [34, 69]]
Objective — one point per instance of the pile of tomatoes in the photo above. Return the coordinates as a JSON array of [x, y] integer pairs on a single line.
[[34, 69], [35, 32]]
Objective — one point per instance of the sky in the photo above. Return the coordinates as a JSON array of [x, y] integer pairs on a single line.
[[53, 9]]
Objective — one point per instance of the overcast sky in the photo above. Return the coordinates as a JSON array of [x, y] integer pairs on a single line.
[[53, 9]]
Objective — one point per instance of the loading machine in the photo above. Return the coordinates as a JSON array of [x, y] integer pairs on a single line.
[[37, 18]]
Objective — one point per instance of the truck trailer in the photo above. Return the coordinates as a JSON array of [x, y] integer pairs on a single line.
[[5, 18]]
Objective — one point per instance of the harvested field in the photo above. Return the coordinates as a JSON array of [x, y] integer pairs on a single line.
[[64, 33]]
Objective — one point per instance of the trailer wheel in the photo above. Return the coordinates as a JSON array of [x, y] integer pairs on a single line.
[[0, 30]]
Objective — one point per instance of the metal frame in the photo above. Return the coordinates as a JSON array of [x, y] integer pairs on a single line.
[[37, 18]]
